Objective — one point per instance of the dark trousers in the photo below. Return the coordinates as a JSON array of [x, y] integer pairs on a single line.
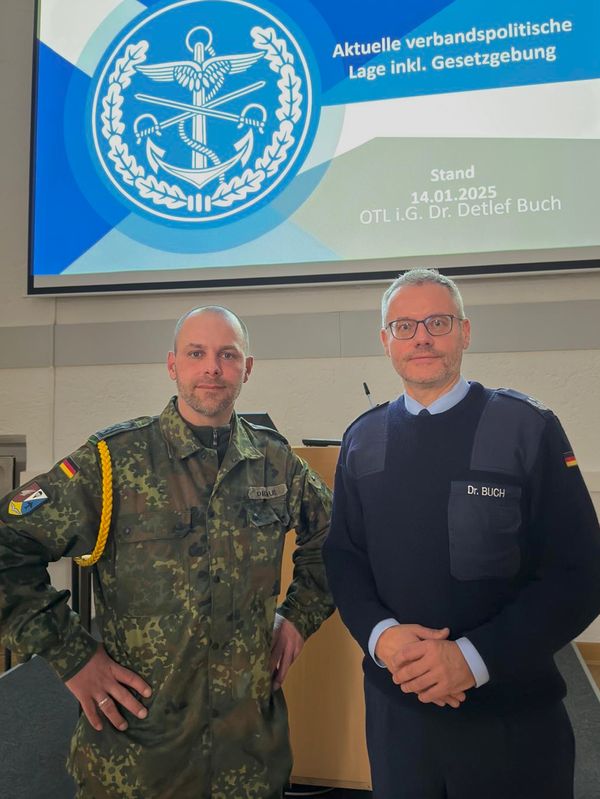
[[418, 754]]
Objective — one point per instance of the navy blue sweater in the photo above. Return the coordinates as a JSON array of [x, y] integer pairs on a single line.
[[473, 519]]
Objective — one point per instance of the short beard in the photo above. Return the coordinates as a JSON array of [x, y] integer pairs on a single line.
[[209, 411]]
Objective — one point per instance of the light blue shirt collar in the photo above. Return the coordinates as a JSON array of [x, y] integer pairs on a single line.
[[448, 400]]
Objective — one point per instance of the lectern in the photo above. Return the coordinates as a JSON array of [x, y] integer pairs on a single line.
[[324, 689]]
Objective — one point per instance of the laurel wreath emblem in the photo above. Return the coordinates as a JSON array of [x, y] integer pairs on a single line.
[[162, 193]]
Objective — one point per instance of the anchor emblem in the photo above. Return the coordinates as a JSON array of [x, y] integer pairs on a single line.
[[229, 128], [204, 77]]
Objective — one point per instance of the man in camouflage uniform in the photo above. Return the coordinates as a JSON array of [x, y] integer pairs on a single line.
[[186, 589]]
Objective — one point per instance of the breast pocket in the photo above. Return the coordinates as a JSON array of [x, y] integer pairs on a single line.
[[268, 522], [483, 526], [151, 566]]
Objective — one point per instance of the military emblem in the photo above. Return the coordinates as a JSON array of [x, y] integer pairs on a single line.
[[27, 499], [202, 110]]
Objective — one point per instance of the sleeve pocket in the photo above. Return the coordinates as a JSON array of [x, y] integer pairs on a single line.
[[483, 527]]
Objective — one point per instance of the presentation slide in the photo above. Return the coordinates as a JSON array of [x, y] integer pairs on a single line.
[[210, 143]]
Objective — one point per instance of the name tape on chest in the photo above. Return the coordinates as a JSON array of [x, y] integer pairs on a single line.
[[487, 491], [496, 492], [267, 492]]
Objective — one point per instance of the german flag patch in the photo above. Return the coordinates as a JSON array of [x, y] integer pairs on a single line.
[[68, 467], [570, 459]]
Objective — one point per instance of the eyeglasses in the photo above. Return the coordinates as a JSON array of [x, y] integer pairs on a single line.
[[438, 325]]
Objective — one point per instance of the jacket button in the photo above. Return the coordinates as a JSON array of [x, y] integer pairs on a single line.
[[215, 645]]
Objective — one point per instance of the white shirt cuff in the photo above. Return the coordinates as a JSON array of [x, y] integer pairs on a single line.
[[374, 637], [474, 661]]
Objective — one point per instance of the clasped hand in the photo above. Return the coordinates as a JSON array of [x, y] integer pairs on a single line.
[[422, 661]]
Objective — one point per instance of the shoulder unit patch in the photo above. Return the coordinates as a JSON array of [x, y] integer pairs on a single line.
[[26, 500]]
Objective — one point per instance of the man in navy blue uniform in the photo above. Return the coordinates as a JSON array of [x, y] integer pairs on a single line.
[[464, 552]]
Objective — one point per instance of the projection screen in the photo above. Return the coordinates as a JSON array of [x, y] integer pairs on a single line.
[[205, 143]]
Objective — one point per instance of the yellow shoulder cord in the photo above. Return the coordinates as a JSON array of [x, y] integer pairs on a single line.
[[107, 505]]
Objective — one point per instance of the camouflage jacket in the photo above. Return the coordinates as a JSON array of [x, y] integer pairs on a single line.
[[185, 595]]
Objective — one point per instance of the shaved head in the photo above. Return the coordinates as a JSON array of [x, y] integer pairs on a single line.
[[220, 310]]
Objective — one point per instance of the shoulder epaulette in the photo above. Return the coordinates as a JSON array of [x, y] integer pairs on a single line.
[[518, 395], [263, 429], [121, 427], [378, 407]]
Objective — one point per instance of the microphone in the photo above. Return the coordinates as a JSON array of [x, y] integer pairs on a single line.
[[368, 393]]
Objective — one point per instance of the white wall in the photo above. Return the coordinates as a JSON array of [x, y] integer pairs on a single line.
[[58, 407]]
